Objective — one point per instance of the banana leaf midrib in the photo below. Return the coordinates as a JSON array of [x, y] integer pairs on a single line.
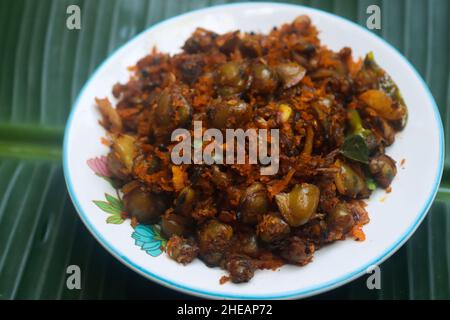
[[41, 142], [30, 142]]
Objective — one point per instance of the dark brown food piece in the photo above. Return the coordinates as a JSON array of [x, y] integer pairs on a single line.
[[254, 203], [231, 113], [185, 202], [240, 267], [272, 228], [181, 250], [297, 251], [171, 111], [147, 207], [176, 224], [298, 206], [265, 79], [383, 169], [214, 238], [340, 218]]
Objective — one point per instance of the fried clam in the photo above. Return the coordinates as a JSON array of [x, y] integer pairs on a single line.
[[232, 78], [172, 111], [121, 158], [383, 169], [247, 243], [299, 205], [297, 251], [272, 228], [340, 218], [201, 40], [264, 79], [349, 182], [254, 203], [185, 201], [214, 238], [232, 113], [146, 207], [176, 224], [221, 179], [182, 250], [240, 267], [290, 73]]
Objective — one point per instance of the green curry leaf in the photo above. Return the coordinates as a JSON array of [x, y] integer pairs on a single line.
[[355, 148]]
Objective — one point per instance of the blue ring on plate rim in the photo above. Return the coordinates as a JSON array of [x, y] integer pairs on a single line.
[[292, 294]]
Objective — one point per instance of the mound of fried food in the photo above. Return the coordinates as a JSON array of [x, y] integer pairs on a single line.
[[335, 116]]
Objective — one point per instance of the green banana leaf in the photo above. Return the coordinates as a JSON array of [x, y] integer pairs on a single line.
[[42, 68]]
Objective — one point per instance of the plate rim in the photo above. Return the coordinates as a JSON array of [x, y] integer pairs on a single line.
[[305, 292]]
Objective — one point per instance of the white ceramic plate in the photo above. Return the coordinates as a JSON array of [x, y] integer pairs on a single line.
[[394, 217]]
